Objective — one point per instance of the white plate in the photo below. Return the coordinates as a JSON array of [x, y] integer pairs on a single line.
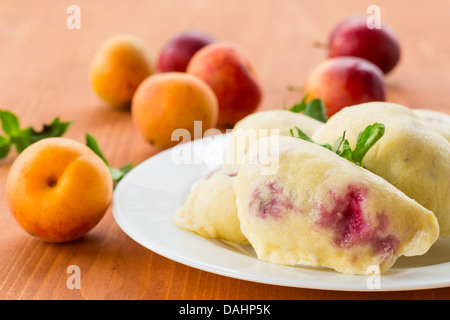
[[146, 199]]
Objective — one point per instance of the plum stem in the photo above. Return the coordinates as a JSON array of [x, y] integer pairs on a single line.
[[321, 45], [292, 87]]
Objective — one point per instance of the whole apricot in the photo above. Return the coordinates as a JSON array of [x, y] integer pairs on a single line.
[[168, 101], [58, 189], [232, 77], [121, 63]]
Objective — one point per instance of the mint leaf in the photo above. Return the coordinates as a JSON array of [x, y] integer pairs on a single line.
[[5, 146], [346, 152], [338, 144], [302, 135], [93, 145], [315, 108], [299, 107], [10, 123], [127, 168], [365, 141], [55, 129], [23, 138], [116, 174]]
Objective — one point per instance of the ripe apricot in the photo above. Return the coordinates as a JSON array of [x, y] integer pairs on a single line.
[[168, 101], [119, 66], [58, 189]]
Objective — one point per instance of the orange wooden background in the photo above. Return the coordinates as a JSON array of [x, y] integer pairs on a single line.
[[44, 74]]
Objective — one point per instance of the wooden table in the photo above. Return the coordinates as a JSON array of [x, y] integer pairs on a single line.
[[44, 74]]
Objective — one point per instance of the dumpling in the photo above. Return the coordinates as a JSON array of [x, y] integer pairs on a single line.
[[439, 121], [260, 124], [411, 156], [319, 209], [210, 209]]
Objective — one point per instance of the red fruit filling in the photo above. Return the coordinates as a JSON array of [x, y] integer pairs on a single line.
[[351, 228], [269, 201]]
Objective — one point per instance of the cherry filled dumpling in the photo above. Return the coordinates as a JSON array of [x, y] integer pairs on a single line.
[[319, 209], [437, 120], [210, 208], [411, 155], [261, 124]]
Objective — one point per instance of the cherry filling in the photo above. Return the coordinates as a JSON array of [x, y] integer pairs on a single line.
[[269, 201], [346, 217], [212, 173], [385, 246], [351, 228]]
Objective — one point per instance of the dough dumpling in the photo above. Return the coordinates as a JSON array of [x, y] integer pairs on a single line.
[[246, 131], [411, 156], [439, 121], [319, 209], [210, 209]]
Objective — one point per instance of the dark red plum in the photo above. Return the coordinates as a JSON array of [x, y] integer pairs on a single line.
[[177, 53], [352, 37]]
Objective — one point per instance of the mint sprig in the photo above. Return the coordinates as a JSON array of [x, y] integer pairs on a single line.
[[116, 173], [314, 108], [365, 141], [23, 138]]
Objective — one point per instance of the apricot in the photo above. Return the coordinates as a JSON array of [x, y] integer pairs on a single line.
[[352, 37], [345, 81], [58, 189], [232, 77], [121, 63], [177, 53], [168, 101]]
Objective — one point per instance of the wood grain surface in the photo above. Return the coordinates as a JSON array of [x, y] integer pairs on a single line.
[[44, 74]]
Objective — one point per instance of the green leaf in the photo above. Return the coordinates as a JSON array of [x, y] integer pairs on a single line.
[[5, 146], [302, 135], [55, 129], [316, 110], [299, 107], [10, 123], [365, 141], [127, 168], [23, 138], [338, 144], [93, 145], [346, 152], [116, 174]]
